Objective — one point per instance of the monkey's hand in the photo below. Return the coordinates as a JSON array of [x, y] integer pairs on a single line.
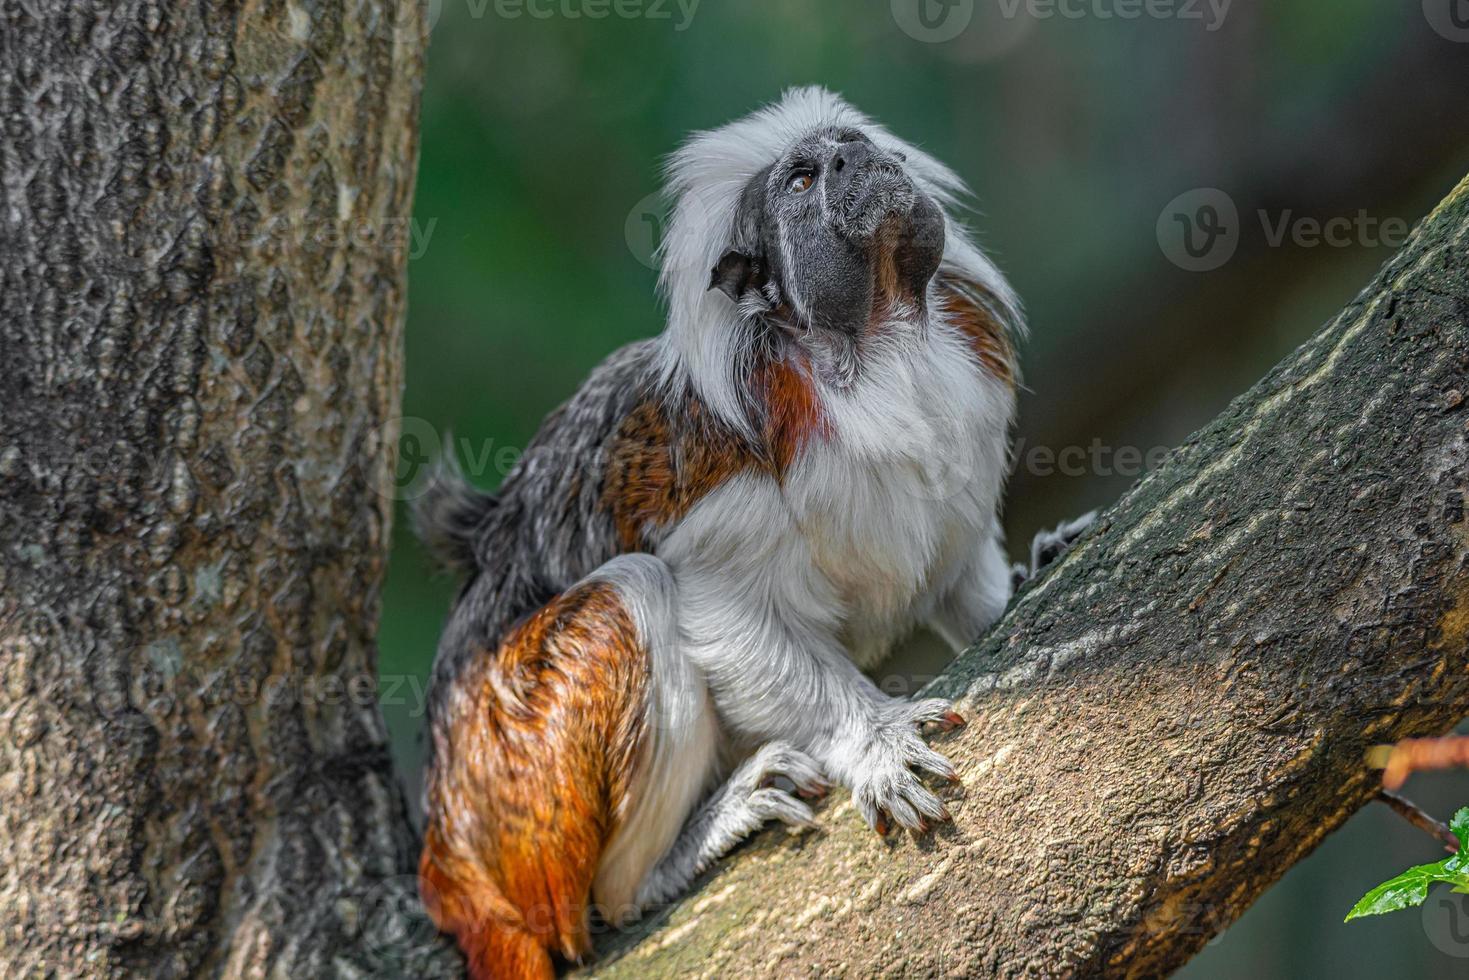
[[759, 786], [754, 794], [882, 768]]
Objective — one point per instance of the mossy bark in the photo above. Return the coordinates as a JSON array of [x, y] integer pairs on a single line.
[[202, 286], [1179, 711]]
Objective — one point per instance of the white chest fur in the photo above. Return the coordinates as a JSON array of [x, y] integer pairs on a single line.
[[909, 478], [877, 517]]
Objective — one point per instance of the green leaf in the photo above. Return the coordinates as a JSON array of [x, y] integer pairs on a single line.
[[1459, 824], [1407, 889], [1411, 887]]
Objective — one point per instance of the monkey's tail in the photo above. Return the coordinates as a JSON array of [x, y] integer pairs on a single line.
[[501, 952], [491, 932], [449, 513]]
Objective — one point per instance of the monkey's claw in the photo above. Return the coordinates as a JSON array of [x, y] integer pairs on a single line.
[[776, 804], [947, 722], [885, 782], [813, 792]]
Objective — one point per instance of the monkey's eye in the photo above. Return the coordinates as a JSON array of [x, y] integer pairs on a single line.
[[801, 181]]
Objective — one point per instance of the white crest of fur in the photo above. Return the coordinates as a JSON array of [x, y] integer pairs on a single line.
[[705, 341]]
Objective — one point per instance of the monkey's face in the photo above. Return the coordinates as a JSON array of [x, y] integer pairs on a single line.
[[833, 236]]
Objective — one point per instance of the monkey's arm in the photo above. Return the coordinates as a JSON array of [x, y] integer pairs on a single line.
[[977, 597], [777, 673]]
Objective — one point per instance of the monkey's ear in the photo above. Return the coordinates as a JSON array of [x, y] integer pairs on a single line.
[[733, 273]]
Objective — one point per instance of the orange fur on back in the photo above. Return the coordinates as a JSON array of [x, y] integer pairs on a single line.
[[658, 469], [532, 763], [654, 475], [987, 336]]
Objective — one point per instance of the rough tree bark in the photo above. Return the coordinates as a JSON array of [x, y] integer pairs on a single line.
[[203, 209], [1179, 711]]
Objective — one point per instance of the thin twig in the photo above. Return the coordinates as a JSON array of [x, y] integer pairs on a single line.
[[1414, 814]]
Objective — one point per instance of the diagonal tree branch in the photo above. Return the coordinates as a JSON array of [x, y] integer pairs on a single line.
[[1179, 712]]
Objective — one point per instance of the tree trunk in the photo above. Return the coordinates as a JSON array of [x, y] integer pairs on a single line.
[[204, 208], [1179, 712]]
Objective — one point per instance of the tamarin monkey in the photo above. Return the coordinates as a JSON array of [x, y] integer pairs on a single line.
[[673, 597]]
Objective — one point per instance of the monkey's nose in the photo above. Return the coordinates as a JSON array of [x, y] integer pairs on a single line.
[[864, 186], [849, 159]]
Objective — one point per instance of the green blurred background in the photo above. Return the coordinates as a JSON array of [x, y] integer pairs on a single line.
[[542, 143]]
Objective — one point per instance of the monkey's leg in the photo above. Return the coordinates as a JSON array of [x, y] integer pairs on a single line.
[[802, 688], [745, 802], [583, 719], [788, 678], [680, 736]]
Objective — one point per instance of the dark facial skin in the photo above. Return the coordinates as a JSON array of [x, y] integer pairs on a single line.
[[829, 234]]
